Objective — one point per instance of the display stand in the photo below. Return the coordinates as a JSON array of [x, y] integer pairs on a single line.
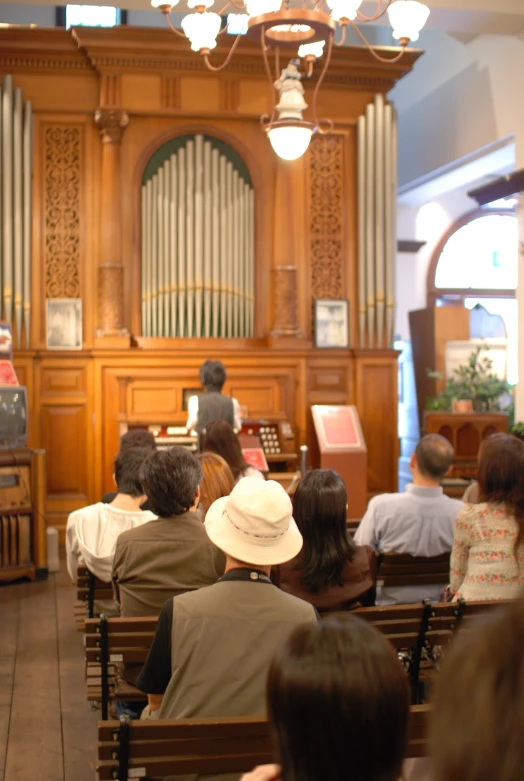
[[23, 542], [342, 448]]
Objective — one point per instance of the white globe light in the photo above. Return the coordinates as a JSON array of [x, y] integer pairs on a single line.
[[259, 7], [346, 9], [158, 3], [407, 17], [291, 142], [312, 49], [194, 3], [202, 30]]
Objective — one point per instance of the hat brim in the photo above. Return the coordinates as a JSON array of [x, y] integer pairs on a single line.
[[251, 550]]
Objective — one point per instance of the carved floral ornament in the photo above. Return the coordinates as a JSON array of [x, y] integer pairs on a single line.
[[310, 27]]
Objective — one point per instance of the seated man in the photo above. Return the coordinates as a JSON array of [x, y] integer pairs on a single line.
[[212, 404], [213, 647], [92, 531], [135, 437], [419, 522], [173, 554]]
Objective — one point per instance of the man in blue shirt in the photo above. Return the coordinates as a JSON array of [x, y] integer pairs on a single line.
[[419, 521]]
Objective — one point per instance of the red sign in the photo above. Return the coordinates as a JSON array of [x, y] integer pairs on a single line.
[[255, 457], [7, 374], [337, 427]]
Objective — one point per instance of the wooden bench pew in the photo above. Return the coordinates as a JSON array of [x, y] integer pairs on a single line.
[[401, 569], [90, 589], [168, 747], [107, 642]]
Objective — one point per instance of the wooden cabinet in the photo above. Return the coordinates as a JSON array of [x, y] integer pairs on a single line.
[[465, 432]]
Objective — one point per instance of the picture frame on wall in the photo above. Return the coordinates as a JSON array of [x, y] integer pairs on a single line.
[[331, 322], [64, 324]]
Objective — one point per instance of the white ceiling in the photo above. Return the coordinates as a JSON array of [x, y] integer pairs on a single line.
[[464, 18]]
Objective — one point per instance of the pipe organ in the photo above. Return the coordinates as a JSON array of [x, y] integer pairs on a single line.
[[156, 200], [197, 218], [16, 127], [377, 233]]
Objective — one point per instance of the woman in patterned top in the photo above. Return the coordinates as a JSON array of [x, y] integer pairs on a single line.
[[487, 559]]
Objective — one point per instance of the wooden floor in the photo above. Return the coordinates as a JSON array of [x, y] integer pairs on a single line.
[[47, 728]]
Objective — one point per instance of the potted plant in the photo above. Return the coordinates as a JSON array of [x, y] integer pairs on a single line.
[[475, 383]]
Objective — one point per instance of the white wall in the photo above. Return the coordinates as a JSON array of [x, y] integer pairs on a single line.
[[25, 13]]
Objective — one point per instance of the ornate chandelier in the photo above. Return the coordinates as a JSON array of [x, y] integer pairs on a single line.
[[313, 25]]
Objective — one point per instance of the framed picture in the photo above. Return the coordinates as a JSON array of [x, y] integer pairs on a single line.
[[331, 322], [64, 324]]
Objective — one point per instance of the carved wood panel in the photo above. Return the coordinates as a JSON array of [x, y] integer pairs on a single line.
[[326, 216], [61, 210], [58, 380]]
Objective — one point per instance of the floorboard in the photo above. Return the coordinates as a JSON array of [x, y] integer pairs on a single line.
[[47, 729]]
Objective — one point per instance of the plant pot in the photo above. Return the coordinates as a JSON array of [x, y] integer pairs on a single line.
[[462, 405]]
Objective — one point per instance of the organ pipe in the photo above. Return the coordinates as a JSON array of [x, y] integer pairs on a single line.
[[16, 138], [197, 246], [377, 187]]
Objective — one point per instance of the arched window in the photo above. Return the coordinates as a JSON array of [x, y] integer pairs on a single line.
[[198, 241], [476, 263]]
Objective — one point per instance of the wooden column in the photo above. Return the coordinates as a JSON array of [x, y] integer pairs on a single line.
[[288, 245], [111, 123]]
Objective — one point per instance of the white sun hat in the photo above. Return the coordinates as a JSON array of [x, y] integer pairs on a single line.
[[254, 523]]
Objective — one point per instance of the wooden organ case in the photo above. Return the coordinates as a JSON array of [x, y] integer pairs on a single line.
[[105, 102]]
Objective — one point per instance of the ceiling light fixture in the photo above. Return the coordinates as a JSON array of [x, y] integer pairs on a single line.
[[312, 27]]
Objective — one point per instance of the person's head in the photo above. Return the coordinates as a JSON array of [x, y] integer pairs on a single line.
[[338, 703], [137, 437], [432, 459], [170, 479], [218, 437], [126, 470], [320, 510], [217, 479], [254, 524], [501, 466], [212, 375], [478, 704]]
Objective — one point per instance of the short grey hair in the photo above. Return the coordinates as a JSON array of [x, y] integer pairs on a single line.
[[434, 455]]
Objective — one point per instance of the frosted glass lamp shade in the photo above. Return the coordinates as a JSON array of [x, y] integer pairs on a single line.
[[159, 3], [346, 9], [202, 30], [194, 3], [312, 49], [290, 142], [259, 7], [407, 17]]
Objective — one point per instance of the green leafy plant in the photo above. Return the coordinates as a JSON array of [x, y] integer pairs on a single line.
[[473, 380], [518, 429]]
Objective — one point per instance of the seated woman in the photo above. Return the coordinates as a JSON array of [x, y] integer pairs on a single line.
[[476, 723], [218, 437], [487, 558], [338, 705], [217, 481], [330, 572]]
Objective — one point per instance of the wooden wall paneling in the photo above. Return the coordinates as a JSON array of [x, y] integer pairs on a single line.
[[329, 381], [376, 399], [65, 431]]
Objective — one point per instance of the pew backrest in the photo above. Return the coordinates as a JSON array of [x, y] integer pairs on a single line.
[[137, 749], [91, 589], [401, 569]]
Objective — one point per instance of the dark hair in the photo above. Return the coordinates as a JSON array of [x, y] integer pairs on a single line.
[[170, 479], [212, 375], [319, 508], [137, 437], [478, 704], [217, 479], [219, 437], [500, 475], [127, 470], [338, 702], [434, 456]]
